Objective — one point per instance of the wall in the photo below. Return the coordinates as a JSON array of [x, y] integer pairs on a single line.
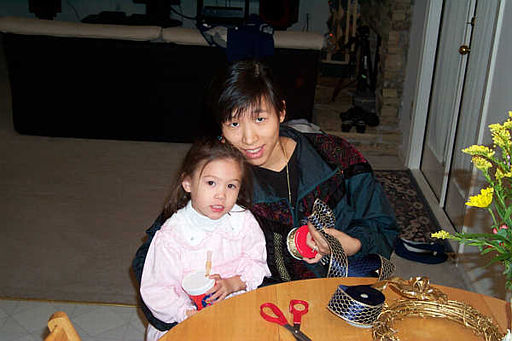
[[500, 101], [391, 20], [416, 41], [74, 10], [318, 13]]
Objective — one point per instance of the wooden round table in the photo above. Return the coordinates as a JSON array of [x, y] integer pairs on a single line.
[[238, 318]]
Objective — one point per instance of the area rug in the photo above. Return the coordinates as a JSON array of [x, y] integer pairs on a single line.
[[413, 215]]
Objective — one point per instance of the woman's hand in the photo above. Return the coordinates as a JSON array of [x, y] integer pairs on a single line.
[[224, 286], [316, 241]]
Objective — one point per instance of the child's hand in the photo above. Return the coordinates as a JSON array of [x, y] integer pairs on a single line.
[[224, 286]]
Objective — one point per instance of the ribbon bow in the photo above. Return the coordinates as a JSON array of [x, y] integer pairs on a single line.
[[417, 288]]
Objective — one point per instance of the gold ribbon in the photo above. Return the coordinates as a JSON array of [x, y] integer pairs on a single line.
[[415, 288], [423, 300]]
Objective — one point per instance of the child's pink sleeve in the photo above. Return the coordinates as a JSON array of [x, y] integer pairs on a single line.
[[253, 264], [161, 285]]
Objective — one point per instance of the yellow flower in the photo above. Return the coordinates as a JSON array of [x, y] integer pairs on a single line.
[[481, 163], [479, 150], [500, 175], [495, 127], [508, 123], [483, 200], [442, 234], [510, 114], [500, 136]]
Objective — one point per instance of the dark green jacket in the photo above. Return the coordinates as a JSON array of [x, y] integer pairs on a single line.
[[332, 170]]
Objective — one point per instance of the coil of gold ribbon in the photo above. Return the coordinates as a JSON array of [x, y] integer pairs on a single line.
[[423, 300]]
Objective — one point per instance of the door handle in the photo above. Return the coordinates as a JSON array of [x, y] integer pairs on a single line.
[[464, 49]]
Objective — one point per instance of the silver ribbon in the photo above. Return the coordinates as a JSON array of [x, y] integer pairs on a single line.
[[358, 305]]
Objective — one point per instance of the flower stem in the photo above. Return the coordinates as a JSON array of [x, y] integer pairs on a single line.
[[492, 215]]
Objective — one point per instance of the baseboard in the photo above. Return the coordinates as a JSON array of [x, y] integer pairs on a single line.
[[442, 219]]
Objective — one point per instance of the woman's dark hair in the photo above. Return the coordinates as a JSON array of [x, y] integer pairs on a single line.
[[199, 155], [240, 87]]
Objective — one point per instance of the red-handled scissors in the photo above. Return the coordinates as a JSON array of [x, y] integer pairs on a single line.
[[297, 313], [280, 319]]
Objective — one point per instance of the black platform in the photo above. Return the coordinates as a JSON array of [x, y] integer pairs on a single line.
[[130, 90]]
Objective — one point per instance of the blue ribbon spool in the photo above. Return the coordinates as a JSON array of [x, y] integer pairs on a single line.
[[358, 305], [372, 265]]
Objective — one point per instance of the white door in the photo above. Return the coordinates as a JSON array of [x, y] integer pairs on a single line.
[[456, 100], [447, 86], [470, 122]]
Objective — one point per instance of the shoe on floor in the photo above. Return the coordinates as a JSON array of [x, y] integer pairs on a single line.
[[428, 253]]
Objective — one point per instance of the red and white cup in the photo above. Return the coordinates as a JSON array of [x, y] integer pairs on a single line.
[[196, 284], [296, 243]]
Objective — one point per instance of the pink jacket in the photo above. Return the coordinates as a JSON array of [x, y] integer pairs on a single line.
[[179, 248]]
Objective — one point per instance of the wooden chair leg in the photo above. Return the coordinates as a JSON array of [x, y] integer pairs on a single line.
[[61, 328]]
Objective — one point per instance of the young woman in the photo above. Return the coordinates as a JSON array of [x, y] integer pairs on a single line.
[[204, 215], [290, 170]]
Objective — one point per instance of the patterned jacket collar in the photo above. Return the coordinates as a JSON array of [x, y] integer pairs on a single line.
[[318, 170]]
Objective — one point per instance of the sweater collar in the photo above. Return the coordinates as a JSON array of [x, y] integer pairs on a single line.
[[317, 169], [201, 222]]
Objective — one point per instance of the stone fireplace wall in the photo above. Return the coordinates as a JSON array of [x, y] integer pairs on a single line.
[[391, 20]]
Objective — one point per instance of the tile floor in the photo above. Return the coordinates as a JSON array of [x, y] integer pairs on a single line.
[[26, 321]]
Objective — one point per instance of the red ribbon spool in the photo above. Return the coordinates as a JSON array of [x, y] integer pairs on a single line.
[[296, 243]]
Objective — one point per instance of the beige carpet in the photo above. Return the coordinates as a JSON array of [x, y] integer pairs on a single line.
[[74, 212]]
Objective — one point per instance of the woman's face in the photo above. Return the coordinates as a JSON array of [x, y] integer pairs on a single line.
[[256, 134]]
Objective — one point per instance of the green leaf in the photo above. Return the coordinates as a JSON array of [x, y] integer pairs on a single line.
[[508, 212], [499, 258], [487, 250]]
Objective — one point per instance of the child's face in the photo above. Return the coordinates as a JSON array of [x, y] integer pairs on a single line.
[[256, 135], [214, 188]]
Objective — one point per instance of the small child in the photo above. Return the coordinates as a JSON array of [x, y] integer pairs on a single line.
[[207, 212]]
